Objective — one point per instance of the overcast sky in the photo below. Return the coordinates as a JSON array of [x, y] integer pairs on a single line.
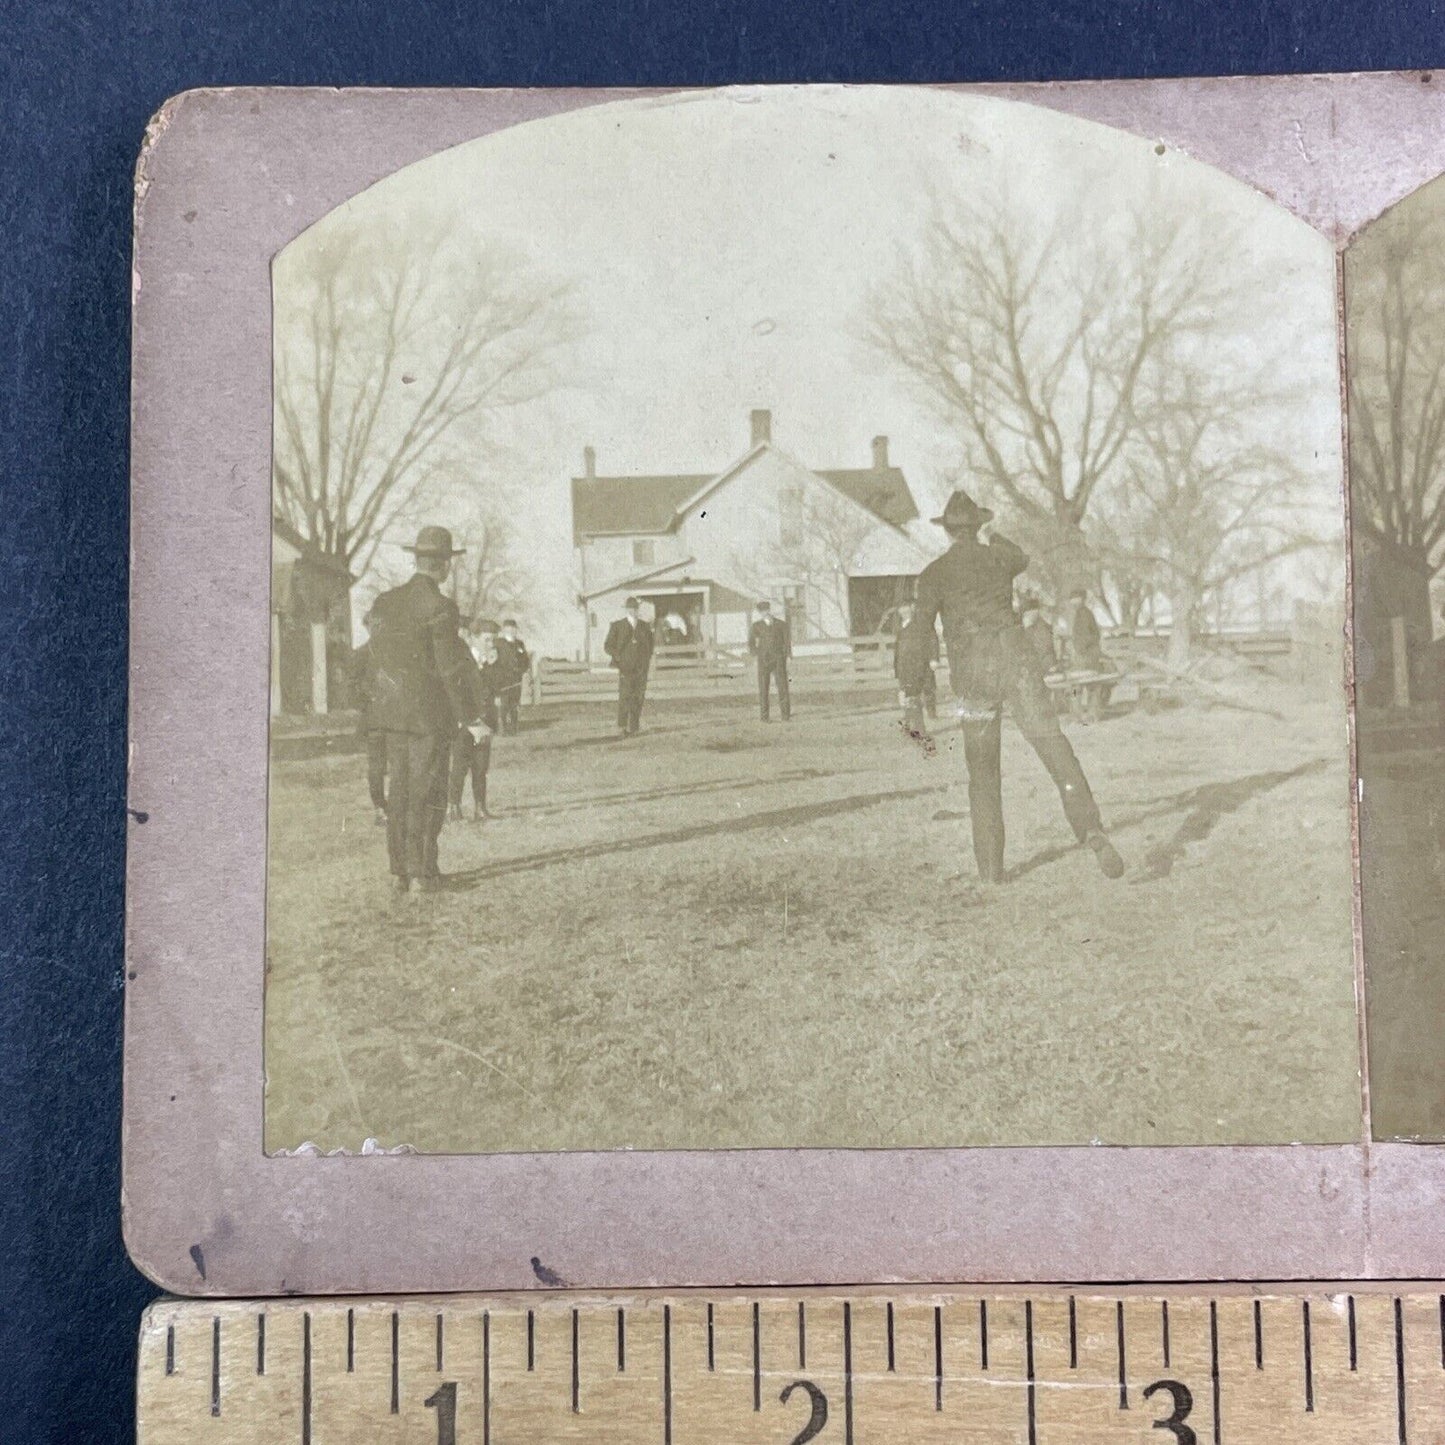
[[724, 243]]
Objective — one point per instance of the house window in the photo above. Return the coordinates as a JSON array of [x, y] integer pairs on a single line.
[[790, 517], [644, 552]]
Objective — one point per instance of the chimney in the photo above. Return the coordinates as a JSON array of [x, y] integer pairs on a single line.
[[589, 461], [880, 454], [762, 421]]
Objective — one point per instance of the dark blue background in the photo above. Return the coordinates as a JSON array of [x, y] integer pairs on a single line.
[[77, 83]]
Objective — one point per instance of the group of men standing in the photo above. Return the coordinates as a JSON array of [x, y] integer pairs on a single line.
[[630, 645], [431, 705]]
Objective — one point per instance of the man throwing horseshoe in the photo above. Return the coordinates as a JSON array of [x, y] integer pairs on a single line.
[[971, 588]]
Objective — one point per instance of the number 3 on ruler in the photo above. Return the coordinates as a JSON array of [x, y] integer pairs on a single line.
[[444, 1402], [1183, 1404]]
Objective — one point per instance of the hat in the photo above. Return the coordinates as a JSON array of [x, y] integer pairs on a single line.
[[765, 605], [632, 604], [963, 514], [434, 542], [509, 622]]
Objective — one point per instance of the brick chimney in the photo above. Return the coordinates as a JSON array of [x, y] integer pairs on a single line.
[[589, 461], [880, 454], [762, 421]]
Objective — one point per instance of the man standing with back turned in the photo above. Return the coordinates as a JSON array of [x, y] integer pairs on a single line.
[[990, 665], [422, 689], [629, 645]]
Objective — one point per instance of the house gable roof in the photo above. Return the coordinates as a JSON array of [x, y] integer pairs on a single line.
[[624, 506]]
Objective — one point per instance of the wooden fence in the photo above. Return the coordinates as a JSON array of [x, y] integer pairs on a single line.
[[704, 670]]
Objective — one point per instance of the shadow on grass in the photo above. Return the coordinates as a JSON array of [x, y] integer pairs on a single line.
[[773, 818], [682, 790], [1202, 807]]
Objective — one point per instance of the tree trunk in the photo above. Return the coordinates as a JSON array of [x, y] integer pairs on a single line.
[[1182, 607]]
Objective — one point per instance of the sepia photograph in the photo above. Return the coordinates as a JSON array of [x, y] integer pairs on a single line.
[[814, 617], [1395, 341]]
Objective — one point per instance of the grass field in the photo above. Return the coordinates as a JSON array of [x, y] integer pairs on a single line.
[[724, 934]]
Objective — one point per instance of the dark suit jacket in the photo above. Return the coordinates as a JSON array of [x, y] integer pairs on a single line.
[[512, 662], [913, 649], [770, 642], [424, 680], [630, 646]]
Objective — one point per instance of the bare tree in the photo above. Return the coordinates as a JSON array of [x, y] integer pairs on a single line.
[[1029, 340], [1395, 320], [392, 340], [1201, 506], [820, 541]]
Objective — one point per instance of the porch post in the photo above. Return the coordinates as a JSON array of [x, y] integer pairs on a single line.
[[275, 664]]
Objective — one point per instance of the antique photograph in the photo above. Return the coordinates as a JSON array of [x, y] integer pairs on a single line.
[[814, 617], [1395, 340]]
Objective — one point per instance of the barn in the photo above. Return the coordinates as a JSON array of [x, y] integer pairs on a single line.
[[831, 548]]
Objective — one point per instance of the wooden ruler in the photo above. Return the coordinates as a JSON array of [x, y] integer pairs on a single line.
[[1046, 1368]]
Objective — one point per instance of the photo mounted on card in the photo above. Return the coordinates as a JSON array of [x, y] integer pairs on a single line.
[[787, 643]]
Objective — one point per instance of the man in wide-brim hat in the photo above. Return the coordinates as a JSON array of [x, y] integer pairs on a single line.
[[990, 666], [423, 689]]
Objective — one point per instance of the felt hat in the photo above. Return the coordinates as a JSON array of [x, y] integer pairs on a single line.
[[434, 542], [963, 514]]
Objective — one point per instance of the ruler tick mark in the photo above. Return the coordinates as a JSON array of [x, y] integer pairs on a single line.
[[441, 1348], [1123, 1366], [892, 1362], [216, 1365], [170, 1349], [1164, 1329], [1029, 1368], [486, 1378], [1214, 1364], [983, 1334], [1442, 1331], [802, 1336], [621, 1341], [1258, 1337], [306, 1378], [757, 1359], [350, 1342], [261, 1343], [1073, 1337], [395, 1363], [667, 1375], [847, 1373], [938, 1357], [711, 1358], [1400, 1368], [1354, 1363], [1309, 1358], [576, 1382], [531, 1340]]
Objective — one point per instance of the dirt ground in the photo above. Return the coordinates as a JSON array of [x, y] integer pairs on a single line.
[[725, 934]]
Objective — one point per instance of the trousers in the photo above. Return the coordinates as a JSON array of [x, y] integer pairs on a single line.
[[777, 672], [631, 689], [508, 702], [376, 767], [998, 673], [470, 759], [416, 765]]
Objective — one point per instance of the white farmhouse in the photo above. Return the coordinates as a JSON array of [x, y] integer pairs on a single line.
[[831, 549]]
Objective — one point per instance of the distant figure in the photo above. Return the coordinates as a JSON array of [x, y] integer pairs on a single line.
[[915, 652], [629, 645], [991, 665], [1040, 633], [423, 690], [1086, 654], [363, 663], [512, 666], [472, 751], [769, 642]]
